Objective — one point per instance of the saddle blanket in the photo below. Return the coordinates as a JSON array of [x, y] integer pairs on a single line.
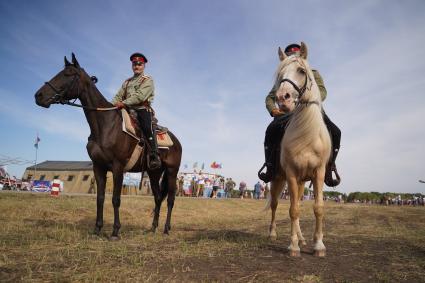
[[162, 137]]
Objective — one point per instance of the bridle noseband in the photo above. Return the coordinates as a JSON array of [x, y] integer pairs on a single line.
[[301, 90]]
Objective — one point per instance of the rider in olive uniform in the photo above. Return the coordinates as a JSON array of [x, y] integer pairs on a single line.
[[137, 93]]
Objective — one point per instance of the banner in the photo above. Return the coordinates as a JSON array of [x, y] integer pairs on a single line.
[[41, 186]]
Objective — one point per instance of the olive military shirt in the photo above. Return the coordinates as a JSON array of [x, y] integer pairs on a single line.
[[140, 89], [271, 98]]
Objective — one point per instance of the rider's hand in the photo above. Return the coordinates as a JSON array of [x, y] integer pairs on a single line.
[[119, 105], [277, 112]]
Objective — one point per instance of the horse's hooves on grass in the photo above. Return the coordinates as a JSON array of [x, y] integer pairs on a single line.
[[296, 253], [114, 238], [96, 232], [320, 253]]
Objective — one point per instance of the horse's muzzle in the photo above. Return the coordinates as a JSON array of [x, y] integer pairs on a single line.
[[40, 100]]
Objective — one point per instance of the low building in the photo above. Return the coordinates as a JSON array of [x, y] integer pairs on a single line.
[[78, 177]]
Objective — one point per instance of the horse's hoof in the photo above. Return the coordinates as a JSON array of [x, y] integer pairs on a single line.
[[96, 232], [320, 253], [166, 232], [114, 238], [295, 253]]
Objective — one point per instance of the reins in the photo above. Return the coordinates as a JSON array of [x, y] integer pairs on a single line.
[[87, 107]]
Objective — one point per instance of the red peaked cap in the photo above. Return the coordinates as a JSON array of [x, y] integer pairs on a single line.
[[291, 48], [138, 57]]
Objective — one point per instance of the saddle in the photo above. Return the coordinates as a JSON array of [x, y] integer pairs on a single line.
[[131, 127]]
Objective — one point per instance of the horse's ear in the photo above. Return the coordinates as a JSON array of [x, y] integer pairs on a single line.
[[66, 62], [303, 52], [74, 61], [282, 55]]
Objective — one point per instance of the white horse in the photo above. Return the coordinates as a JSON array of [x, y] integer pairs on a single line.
[[305, 147]]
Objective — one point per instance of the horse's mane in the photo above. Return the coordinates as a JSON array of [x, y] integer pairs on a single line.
[[306, 124], [94, 92]]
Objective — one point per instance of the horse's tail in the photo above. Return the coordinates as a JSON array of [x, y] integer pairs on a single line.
[[275, 191], [268, 203], [164, 185]]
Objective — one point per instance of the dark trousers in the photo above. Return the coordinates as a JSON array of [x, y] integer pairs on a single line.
[[144, 117]]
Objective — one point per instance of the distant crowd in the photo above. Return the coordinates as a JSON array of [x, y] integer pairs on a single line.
[[209, 185]]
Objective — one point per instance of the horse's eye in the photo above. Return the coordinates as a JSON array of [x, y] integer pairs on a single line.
[[301, 71]]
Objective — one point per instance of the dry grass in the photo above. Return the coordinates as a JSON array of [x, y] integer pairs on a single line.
[[49, 239]]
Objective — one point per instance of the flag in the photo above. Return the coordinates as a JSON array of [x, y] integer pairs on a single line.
[[195, 165], [214, 165], [203, 166], [37, 140]]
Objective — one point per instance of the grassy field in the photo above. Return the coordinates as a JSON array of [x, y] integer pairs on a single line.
[[49, 239]]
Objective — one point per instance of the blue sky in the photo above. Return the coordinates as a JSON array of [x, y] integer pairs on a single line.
[[213, 64]]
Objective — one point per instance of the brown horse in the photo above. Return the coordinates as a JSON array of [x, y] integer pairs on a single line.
[[108, 146]]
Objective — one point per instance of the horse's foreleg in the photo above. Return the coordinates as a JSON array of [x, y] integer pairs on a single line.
[[294, 213], [172, 187], [100, 176], [301, 239], [275, 191], [157, 196], [118, 175], [319, 247]]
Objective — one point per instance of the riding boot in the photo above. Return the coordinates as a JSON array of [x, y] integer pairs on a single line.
[[269, 164], [331, 167], [154, 160]]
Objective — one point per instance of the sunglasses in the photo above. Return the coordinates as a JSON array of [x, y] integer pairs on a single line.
[[138, 63]]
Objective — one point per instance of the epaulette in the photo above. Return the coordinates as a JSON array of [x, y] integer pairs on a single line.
[[145, 78]]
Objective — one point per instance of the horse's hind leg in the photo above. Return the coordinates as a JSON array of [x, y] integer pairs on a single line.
[[275, 191], [171, 182], [100, 176], [319, 247], [118, 175]]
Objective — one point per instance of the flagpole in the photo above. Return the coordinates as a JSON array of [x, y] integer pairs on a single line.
[[36, 152], [35, 163]]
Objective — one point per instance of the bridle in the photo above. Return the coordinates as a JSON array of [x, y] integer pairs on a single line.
[[301, 90], [59, 97]]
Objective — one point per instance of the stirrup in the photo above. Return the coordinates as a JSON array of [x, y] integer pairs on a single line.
[[265, 177], [261, 169], [329, 180]]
